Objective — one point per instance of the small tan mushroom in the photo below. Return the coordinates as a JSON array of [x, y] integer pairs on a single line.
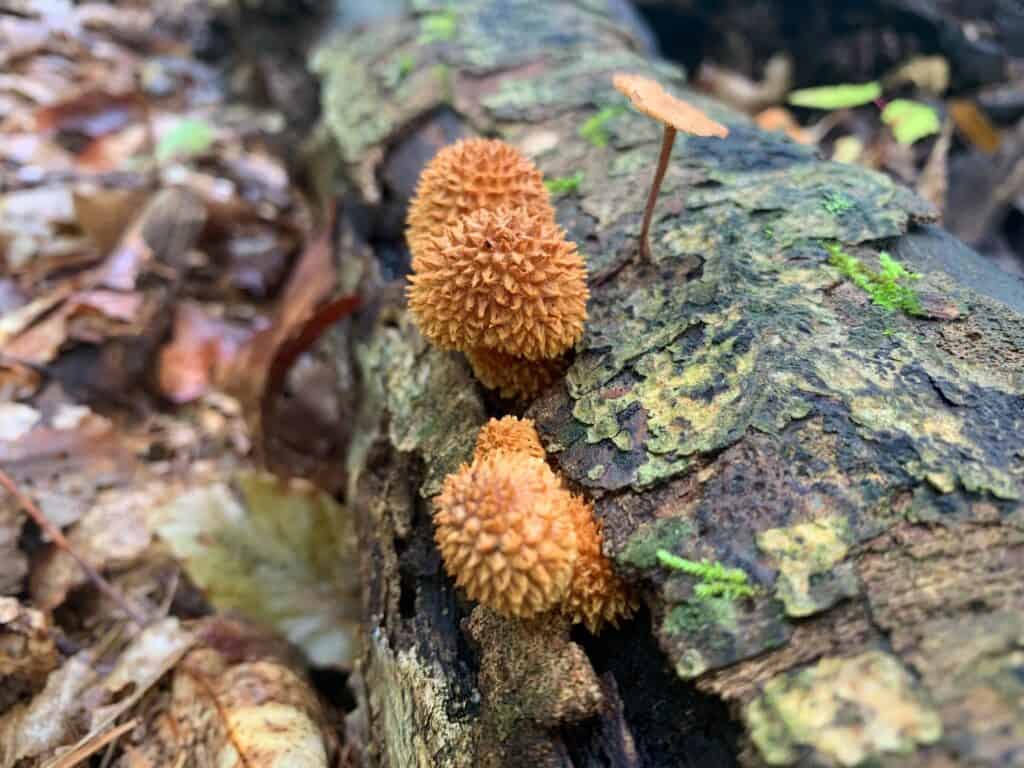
[[676, 115]]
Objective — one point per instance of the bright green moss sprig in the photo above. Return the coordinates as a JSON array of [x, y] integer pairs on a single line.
[[888, 288], [437, 27], [715, 579], [563, 185], [593, 130]]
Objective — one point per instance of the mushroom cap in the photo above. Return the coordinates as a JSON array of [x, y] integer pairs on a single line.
[[469, 175], [654, 101], [508, 434], [513, 377], [597, 595], [504, 279], [504, 535]]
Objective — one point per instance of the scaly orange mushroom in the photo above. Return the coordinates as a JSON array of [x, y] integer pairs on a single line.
[[676, 115], [506, 280], [504, 535], [509, 434], [469, 175], [597, 595], [513, 377]]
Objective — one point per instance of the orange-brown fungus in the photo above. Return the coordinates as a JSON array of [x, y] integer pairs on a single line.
[[504, 535], [676, 115], [597, 595], [470, 175], [514, 377], [511, 435], [654, 101], [504, 279]]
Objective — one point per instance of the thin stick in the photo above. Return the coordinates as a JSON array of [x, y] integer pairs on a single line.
[[59, 539], [77, 756], [667, 140]]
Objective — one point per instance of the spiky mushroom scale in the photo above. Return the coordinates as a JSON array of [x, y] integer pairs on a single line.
[[505, 280], [509, 434], [504, 536], [469, 175], [597, 596], [514, 378]]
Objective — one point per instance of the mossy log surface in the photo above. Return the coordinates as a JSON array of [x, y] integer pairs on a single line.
[[738, 401]]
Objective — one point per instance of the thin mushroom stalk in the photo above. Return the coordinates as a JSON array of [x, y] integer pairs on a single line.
[[667, 140], [675, 115]]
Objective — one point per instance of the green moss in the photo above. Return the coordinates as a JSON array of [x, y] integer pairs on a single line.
[[716, 581], [836, 203], [694, 618], [564, 185], [437, 27], [888, 288], [594, 130], [641, 551]]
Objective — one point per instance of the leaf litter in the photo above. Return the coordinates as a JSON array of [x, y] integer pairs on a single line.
[[162, 599]]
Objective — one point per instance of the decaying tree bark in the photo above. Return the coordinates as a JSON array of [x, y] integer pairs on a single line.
[[737, 401]]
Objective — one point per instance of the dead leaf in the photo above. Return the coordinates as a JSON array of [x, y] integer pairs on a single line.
[[65, 459], [929, 73], [163, 233], [13, 562], [91, 114], [312, 280], [27, 652], [780, 119], [240, 699], [105, 213], [49, 720], [112, 534], [201, 349], [281, 553], [17, 381], [31, 219], [974, 124], [745, 94], [933, 182], [86, 316]]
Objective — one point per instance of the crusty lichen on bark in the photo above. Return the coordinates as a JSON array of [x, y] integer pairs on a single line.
[[738, 400]]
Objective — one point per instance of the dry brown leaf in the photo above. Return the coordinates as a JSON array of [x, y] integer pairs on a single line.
[[105, 213], [92, 113], [745, 94], [239, 699], [66, 459], [112, 534], [27, 652], [201, 349], [933, 182], [780, 119], [312, 280], [974, 124], [163, 233]]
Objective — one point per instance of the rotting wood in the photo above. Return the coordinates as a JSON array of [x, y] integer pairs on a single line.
[[736, 401]]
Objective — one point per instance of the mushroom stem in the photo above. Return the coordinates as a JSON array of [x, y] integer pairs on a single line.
[[667, 140]]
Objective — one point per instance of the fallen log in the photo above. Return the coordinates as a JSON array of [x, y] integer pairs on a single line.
[[774, 393]]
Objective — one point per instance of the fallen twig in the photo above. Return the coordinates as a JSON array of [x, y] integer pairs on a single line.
[[78, 755], [57, 536]]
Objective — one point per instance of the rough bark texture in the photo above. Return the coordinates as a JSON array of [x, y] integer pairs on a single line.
[[737, 401]]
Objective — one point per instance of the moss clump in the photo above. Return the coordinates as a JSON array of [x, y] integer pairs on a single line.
[[888, 287], [716, 581], [836, 203], [594, 131], [564, 185], [437, 27]]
